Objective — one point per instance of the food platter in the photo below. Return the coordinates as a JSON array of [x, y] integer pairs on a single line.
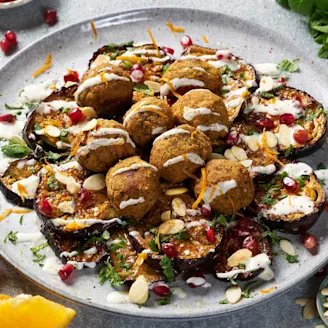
[[13, 4], [240, 37]]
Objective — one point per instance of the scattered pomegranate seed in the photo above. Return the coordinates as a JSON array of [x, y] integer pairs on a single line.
[[5, 46], [84, 195], [299, 100], [200, 280], [301, 136], [168, 50], [282, 79], [161, 290], [137, 73], [290, 184], [171, 100], [71, 76], [287, 119], [169, 250], [206, 212], [266, 123], [219, 56], [76, 116], [210, 235], [9, 118], [310, 241], [65, 271], [11, 37], [252, 244], [246, 224], [326, 206], [45, 207], [50, 16], [232, 138], [186, 41]]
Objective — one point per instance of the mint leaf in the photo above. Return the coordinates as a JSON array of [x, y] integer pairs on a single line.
[[303, 7], [289, 66], [323, 52], [167, 266], [15, 150]]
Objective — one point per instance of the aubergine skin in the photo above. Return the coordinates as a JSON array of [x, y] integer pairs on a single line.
[[14, 198]]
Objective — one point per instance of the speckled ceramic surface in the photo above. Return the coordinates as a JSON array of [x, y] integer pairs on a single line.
[[72, 48], [13, 4]]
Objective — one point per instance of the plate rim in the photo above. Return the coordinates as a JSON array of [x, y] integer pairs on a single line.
[[14, 4]]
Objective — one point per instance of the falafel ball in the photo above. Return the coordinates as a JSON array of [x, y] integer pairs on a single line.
[[106, 88], [132, 187], [185, 75], [147, 119], [203, 110], [229, 186], [104, 145], [180, 152]]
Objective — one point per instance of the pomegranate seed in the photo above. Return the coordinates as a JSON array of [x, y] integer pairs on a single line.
[[137, 67], [199, 277], [45, 207], [321, 272], [50, 16], [310, 241], [137, 76], [65, 271], [290, 184], [11, 37], [282, 79], [169, 250], [219, 57], [168, 50], [252, 244], [301, 136], [71, 76], [186, 41], [5, 46], [171, 100], [210, 235], [76, 116], [326, 206], [266, 123], [232, 138], [161, 290], [246, 224], [206, 212], [84, 195], [287, 119], [299, 100], [9, 118]]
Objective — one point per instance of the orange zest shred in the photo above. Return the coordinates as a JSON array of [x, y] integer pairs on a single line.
[[94, 30], [168, 82], [46, 65], [213, 191], [149, 109], [193, 134], [75, 148], [184, 156], [133, 59], [154, 42], [234, 209], [267, 291], [10, 210], [202, 191], [102, 77], [205, 39], [75, 226], [174, 29], [140, 259], [22, 191], [269, 152]]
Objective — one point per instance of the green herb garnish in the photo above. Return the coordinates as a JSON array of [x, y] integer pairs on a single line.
[[51, 156], [288, 151], [13, 149], [164, 69], [116, 246], [12, 237], [267, 95], [105, 235], [223, 301], [53, 183], [167, 266], [153, 246], [274, 238], [289, 66], [127, 65], [109, 273], [165, 300], [321, 166], [37, 256], [140, 87], [291, 258], [21, 219]]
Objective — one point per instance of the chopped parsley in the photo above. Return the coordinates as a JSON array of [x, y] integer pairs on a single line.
[[223, 92], [37, 127], [153, 246], [221, 149], [51, 156], [246, 293], [267, 198], [233, 282], [166, 66], [241, 266], [267, 95], [63, 135], [165, 300], [310, 115], [301, 180], [140, 87], [288, 151], [123, 263], [65, 110], [13, 107], [53, 183], [223, 301], [291, 258], [105, 235], [116, 246], [12, 237], [322, 182], [242, 76], [251, 132], [284, 175], [14, 149], [21, 219], [289, 66], [38, 258], [321, 166], [109, 273], [274, 238], [181, 235], [127, 65], [222, 219], [167, 266]]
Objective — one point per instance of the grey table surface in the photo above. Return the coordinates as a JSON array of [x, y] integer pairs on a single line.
[[280, 311]]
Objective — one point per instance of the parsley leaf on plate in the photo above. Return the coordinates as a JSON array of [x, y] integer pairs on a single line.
[[167, 266], [109, 273], [289, 66]]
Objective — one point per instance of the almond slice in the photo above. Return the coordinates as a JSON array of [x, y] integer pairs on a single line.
[[266, 83], [239, 153], [95, 182], [90, 125], [153, 86], [324, 291], [240, 256], [175, 191], [215, 156], [101, 59], [64, 179], [66, 207], [310, 310], [271, 139], [325, 313], [52, 131], [73, 187], [301, 301], [166, 216], [284, 135], [139, 291], [230, 156], [179, 206], [247, 163], [89, 112], [253, 144], [171, 227], [287, 247], [233, 294], [255, 100], [325, 304]]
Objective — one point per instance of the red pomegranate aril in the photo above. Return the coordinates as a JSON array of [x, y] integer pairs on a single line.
[[137, 67], [252, 244], [287, 119], [9, 118], [5, 46], [310, 241], [171, 100], [186, 41], [84, 195], [290, 184], [219, 57], [45, 207], [210, 235], [301, 136], [169, 250], [76, 116], [137, 76], [298, 99], [232, 138], [206, 212], [11, 37], [245, 224], [50, 16], [266, 123], [161, 290], [168, 50], [71, 76], [65, 271], [196, 275]]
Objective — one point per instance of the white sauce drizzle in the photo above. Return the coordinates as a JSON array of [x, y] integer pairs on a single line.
[[141, 109], [30, 184], [172, 132], [62, 222], [190, 113], [68, 254], [45, 108], [134, 167], [23, 237], [8, 130], [192, 157], [20, 165], [81, 265], [134, 233], [270, 69], [212, 127], [268, 169], [118, 297], [130, 202], [91, 251], [178, 292], [296, 170], [51, 265], [218, 190], [179, 83], [105, 131], [158, 130], [197, 223], [96, 143]]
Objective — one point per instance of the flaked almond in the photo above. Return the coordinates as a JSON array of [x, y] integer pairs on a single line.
[[255, 100], [95, 182], [16, 138], [66, 207], [215, 156], [101, 59], [176, 191], [319, 326], [73, 187], [230, 156], [166, 216], [139, 292], [233, 294], [152, 85], [69, 84], [247, 163], [287, 247], [324, 291], [239, 256], [325, 304], [90, 125], [179, 206], [239, 153], [271, 139], [310, 310], [266, 83], [52, 131], [284, 135], [89, 112], [325, 313], [171, 227], [301, 301], [252, 143], [63, 178]]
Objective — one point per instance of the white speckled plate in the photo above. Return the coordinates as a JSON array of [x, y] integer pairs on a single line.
[[71, 48], [13, 4]]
